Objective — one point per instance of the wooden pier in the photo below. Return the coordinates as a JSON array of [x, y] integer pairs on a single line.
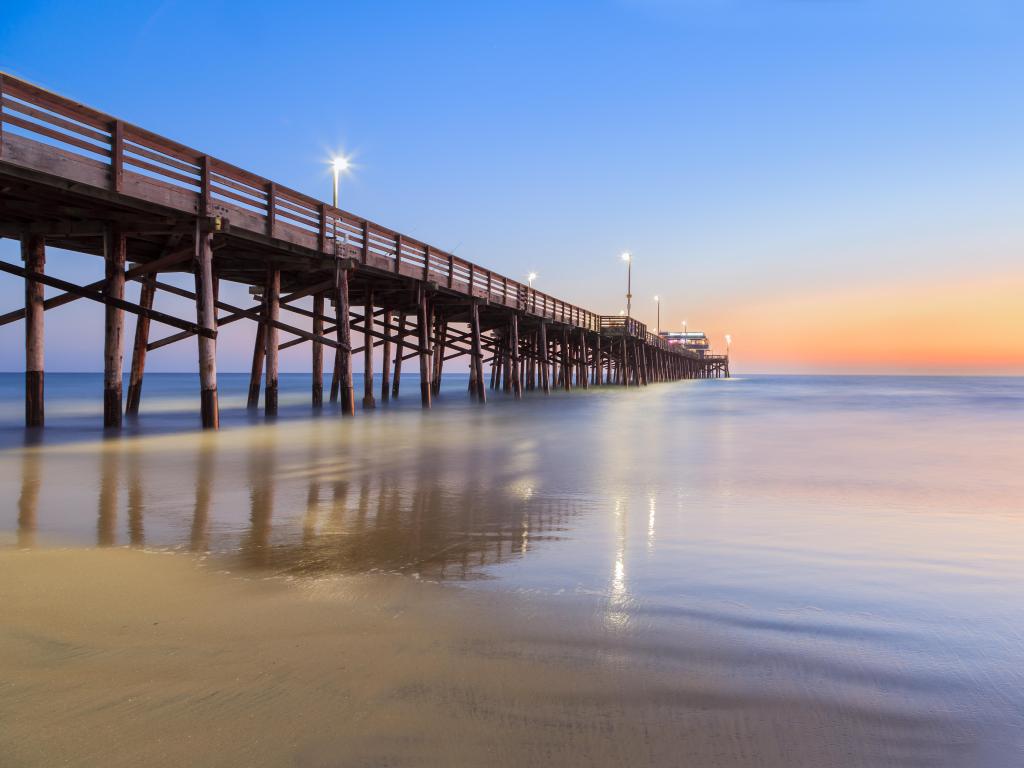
[[77, 179]]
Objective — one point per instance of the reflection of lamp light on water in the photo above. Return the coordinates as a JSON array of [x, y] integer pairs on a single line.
[[650, 525]]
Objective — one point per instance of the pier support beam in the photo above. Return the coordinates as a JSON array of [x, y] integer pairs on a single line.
[[113, 342], [477, 361], [424, 331], [33, 253], [317, 393], [385, 361], [138, 369], [259, 354], [516, 360], [343, 359], [545, 371], [440, 339], [399, 351], [206, 317], [369, 403], [272, 297], [566, 357]]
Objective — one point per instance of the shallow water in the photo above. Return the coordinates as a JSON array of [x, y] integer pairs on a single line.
[[848, 544]]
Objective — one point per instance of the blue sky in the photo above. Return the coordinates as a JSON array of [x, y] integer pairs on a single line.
[[749, 152]]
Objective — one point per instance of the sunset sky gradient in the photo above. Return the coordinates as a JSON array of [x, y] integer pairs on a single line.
[[838, 184]]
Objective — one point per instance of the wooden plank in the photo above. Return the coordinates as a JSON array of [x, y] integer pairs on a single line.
[[10, 105]]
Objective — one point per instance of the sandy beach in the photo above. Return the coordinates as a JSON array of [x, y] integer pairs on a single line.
[[119, 657]]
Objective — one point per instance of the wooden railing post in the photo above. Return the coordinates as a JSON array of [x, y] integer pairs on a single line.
[[1, 116], [271, 209], [117, 155], [322, 235]]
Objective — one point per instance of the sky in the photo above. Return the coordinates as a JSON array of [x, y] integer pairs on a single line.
[[838, 184]]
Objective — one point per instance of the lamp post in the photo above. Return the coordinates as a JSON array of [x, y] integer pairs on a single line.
[[531, 277], [658, 326], [728, 344], [628, 258], [339, 165]]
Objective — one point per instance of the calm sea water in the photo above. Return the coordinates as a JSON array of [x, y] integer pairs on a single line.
[[858, 540]]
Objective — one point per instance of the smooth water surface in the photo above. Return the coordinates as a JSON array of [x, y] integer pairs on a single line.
[[852, 543]]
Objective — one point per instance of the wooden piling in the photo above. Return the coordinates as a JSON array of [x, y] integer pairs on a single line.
[[114, 252], [317, 393], [33, 253], [138, 369], [385, 361], [259, 354], [399, 351], [477, 360], [517, 382], [272, 297], [545, 371], [369, 402], [424, 332], [566, 364], [439, 347], [344, 335], [206, 317]]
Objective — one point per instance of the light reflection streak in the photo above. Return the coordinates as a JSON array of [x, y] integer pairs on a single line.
[[617, 616], [650, 525]]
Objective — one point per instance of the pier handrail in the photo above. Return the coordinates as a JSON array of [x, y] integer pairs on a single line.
[[82, 144]]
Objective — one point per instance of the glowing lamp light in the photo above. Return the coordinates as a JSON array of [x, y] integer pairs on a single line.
[[627, 256], [340, 164], [531, 277]]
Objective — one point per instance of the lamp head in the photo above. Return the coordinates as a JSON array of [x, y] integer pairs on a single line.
[[627, 256]]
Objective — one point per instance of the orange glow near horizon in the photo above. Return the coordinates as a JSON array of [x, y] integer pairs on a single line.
[[970, 326]]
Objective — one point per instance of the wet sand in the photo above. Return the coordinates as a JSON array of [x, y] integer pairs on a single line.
[[120, 657]]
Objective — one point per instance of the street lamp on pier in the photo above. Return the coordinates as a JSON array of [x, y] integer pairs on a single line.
[[531, 277], [339, 165], [628, 258], [658, 326]]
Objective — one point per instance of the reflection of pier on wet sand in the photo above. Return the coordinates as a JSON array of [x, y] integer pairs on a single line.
[[322, 509]]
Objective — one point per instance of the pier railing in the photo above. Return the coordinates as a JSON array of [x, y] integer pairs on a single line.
[[46, 132]]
